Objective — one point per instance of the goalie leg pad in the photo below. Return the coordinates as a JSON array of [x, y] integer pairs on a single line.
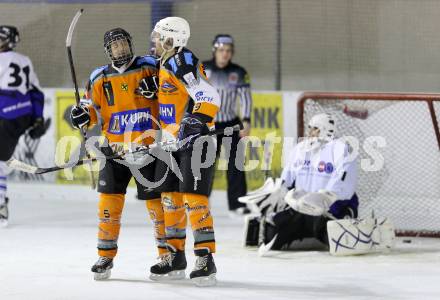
[[354, 236]]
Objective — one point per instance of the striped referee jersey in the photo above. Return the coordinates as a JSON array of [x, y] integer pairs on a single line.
[[231, 82]]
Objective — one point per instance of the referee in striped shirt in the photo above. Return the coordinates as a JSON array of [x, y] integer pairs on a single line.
[[232, 83]]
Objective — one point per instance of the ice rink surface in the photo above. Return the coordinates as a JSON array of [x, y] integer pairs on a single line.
[[50, 245]]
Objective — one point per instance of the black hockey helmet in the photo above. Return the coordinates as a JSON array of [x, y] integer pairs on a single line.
[[9, 37], [117, 36], [222, 39]]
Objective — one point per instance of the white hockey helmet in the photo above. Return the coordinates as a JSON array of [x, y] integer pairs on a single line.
[[325, 123], [172, 32]]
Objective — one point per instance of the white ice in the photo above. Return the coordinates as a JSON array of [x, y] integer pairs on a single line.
[[50, 245]]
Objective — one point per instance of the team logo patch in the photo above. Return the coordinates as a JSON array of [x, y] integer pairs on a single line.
[[132, 120], [321, 166], [168, 88], [167, 202], [202, 97], [329, 168], [124, 87], [233, 78], [167, 113]]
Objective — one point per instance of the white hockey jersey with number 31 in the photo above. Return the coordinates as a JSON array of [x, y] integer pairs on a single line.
[[20, 92]]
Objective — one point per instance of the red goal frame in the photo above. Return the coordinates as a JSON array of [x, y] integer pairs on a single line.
[[429, 98]]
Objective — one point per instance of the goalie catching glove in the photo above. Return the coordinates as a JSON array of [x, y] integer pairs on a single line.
[[268, 198], [312, 204], [80, 116]]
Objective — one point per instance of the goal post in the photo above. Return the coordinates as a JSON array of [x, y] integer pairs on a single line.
[[406, 185]]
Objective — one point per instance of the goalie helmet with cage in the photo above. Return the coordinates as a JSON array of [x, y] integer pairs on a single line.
[[118, 46], [171, 32], [321, 129], [326, 125], [9, 37]]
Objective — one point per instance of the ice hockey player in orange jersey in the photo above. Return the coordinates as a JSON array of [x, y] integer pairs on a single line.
[[127, 116], [187, 106]]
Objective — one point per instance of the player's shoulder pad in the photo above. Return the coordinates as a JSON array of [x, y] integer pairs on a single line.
[[98, 72], [147, 60], [183, 63], [16, 56]]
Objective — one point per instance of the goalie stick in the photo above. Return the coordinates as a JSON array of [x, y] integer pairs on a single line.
[[24, 167], [75, 83]]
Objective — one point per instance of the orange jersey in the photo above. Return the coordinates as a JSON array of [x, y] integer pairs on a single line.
[[126, 117], [184, 88]]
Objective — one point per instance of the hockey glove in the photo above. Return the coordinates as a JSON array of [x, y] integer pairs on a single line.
[[148, 87], [80, 116], [191, 128], [38, 129]]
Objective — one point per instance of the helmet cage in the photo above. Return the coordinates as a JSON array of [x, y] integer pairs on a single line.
[[124, 56]]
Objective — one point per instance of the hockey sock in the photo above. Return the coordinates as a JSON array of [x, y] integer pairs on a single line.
[[175, 220], [2, 182], [155, 210], [201, 223], [109, 213]]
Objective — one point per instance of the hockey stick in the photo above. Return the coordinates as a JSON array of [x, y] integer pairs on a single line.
[[69, 52], [75, 83], [24, 167]]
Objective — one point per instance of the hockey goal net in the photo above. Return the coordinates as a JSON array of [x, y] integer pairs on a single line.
[[407, 187]]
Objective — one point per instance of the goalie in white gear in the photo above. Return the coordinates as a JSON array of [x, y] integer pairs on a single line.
[[321, 175]]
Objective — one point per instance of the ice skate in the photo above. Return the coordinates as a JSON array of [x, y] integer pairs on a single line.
[[171, 267], [102, 268], [204, 272]]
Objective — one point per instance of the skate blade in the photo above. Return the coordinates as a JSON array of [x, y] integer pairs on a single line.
[[205, 281], [173, 275], [265, 248], [102, 276]]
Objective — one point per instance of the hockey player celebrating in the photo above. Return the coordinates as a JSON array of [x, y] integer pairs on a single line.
[[187, 106], [321, 174], [126, 114], [21, 104]]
